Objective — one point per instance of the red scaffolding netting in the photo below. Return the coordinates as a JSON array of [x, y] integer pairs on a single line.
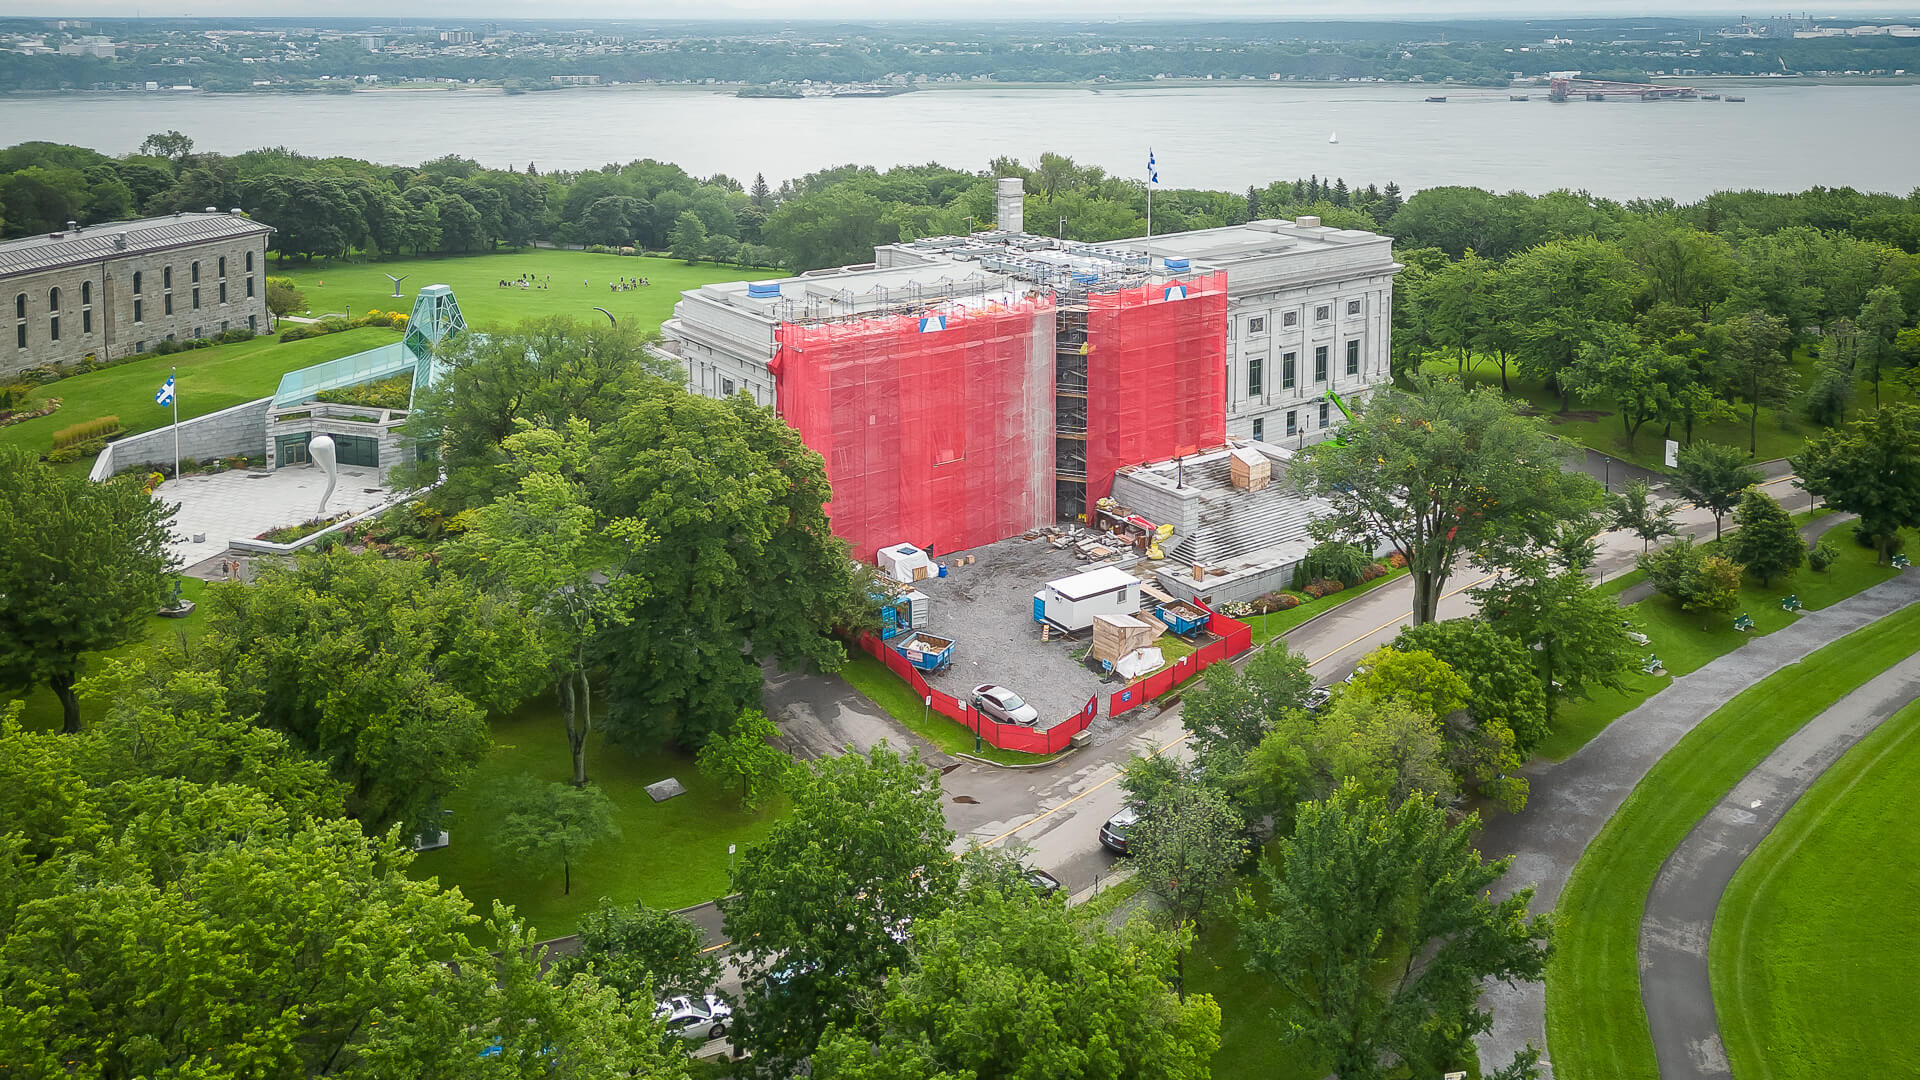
[[1156, 375], [936, 428]]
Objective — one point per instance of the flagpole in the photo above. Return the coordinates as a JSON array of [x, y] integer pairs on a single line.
[[173, 380], [1149, 208]]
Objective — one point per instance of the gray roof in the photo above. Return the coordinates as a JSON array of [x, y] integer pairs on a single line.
[[90, 243]]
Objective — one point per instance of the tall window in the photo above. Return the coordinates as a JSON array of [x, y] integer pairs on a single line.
[[249, 262], [1293, 422], [249, 286], [168, 300], [136, 283], [86, 320], [1253, 377], [1353, 357], [20, 306], [166, 278], [1319, 363], [1323, 414], [223, 266], [1259, 430], [86, 292], [53, 328], [196, 273], [196, 298], [136, 315], [223, 292], [53, 299], [20, 335], [1286, 371]]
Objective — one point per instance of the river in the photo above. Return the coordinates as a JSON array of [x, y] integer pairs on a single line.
[[1781, 138]]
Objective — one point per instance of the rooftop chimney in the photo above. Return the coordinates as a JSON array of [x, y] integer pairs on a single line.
[[1010, 211], [73, 226]]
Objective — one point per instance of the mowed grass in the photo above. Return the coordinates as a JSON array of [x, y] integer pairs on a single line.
[[1252, 1032], [894, 697], [209, 379], [1685, 641], [1813, 945], [43, 709], [1780, 432], [578, 284], [1276, 624], [1596, 1023], [669, 854]]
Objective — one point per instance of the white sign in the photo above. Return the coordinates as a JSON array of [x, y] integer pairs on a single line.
[[729, 849], [1673, 454]]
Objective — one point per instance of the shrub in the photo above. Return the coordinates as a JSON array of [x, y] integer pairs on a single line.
[[1822, 555], [1334, 560], [167, 347], [76, 451], [1373, 571], [1284, 601], [299, 332], [86, 431], [1397, 560]]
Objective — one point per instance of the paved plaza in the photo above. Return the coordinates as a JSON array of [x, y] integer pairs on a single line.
[[240, 504]]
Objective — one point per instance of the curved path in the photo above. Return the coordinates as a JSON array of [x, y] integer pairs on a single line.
[[1674, 983], [1571, 800]]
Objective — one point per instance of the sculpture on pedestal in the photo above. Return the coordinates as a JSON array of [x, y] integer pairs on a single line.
[[321, 450]]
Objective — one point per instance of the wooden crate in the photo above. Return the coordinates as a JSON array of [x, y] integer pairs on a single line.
[[1249, 469], [1114, 636]]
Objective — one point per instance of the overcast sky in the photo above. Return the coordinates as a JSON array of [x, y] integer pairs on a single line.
[[458, 10]]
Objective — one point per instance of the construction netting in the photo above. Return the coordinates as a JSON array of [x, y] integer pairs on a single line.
[[1156, 375], [936, 427]]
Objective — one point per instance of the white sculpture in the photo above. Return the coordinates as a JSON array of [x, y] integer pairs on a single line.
[[320, 450]]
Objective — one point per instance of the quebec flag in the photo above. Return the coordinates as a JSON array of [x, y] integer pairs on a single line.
[[165, 396], [931, 323], [1153, 173]]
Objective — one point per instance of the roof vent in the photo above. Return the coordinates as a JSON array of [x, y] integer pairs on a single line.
[[759, 291], [73, 226], [177, 213], [213, 210], [237, 212], [120, 242], [1308, 221]]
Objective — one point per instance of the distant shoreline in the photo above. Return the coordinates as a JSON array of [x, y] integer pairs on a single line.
[[733, 88]]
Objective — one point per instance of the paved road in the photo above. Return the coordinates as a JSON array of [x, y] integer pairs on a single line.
[[1679, 918], [1571, 800]]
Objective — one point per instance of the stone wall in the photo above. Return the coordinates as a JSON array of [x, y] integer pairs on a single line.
[[241, 429]]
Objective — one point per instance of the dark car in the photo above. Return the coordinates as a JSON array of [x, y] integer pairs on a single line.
[[1113, 834], [1040, 881]]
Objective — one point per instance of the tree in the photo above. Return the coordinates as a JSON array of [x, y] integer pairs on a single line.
[[689, 239], [644, 953], [1440, 472], [742, 757], [825, 908], [85, 569], [1638, 379], [1695, 580], [283, 299], [1880, 321], [1565, 293], [760, 193], [1502, 688], [541, 824], [167, 144], [1577, 635], [1762, 369], [1415, 678], [1233, 707], [1186, 851], [1381, 928], [1386, 748], [1871, 468], [743, 568], [1004, 984], [1635, 510], [833, 227], [1765, 541], [543, 546], [383, 668], [1713, 475]]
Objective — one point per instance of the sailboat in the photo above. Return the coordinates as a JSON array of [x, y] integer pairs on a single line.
[[1334, 138]]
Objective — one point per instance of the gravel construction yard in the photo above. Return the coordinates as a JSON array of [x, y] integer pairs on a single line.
[[987, 609]]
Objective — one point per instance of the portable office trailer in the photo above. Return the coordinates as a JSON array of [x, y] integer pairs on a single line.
[[1071, 603]]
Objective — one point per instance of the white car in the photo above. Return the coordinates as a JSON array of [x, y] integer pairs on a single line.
[[697, 1019], [1003, 705]]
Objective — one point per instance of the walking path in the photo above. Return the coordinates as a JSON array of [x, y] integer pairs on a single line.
[[1570, 801], [1674, 983]]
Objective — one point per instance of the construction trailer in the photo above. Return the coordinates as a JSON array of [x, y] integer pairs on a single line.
[[1072, 603]]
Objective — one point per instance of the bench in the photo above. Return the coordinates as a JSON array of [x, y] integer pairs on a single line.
[[1652, 666], [1743, 623], [1790, 603]]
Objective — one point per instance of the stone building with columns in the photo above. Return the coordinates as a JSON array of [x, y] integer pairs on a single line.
[[120, 288]]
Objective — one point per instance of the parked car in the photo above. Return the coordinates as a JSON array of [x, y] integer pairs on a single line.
[[1004, 705], [1113, 834], [1318, 697], [1041, 882], [697, 1019]]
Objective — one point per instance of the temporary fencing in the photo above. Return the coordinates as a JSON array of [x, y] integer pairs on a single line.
[[1003, 736], [1230, 638], [1156, 383], [935, 427]]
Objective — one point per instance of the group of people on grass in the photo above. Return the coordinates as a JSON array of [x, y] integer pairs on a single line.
[[626, 284], [529, 281]]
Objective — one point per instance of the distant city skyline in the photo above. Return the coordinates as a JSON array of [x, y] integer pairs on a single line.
[[944, 10]]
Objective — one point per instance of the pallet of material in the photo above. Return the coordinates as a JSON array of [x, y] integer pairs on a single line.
[[1114, 636]]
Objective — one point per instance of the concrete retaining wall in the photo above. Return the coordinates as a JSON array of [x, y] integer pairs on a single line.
[[239, 430]]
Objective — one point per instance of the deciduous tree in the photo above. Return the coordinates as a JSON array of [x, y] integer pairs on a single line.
[[1880, 321], [1186, 851], [1441, 472], [1766, 541], [645, 953], [1713, 475], [744, 758], [1381, 928], [1871, 468], [1579, 637], [1636, 510], [1233, 707], [1761, 367], [1502, 686], [84, 571], [546, 823]]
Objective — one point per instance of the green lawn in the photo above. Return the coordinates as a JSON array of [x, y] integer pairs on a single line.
[[1780, 432], [1685, 641], [43, 709], [1813, 945], [355, 288], [1272, 625], [1251, 1031], [670, 854], [1596, 1024], [210, 379], [897, 699]]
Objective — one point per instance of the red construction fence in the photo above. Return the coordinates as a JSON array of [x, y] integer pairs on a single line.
[[1231, 638]]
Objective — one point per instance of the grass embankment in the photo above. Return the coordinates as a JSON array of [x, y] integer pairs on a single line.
[[1813, 944], [43, 709], [1687, 640], [1275, 624], [1595, 423], [1596, 1023], [209, 379], [897, 699], [578, 284], [669, 854]]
